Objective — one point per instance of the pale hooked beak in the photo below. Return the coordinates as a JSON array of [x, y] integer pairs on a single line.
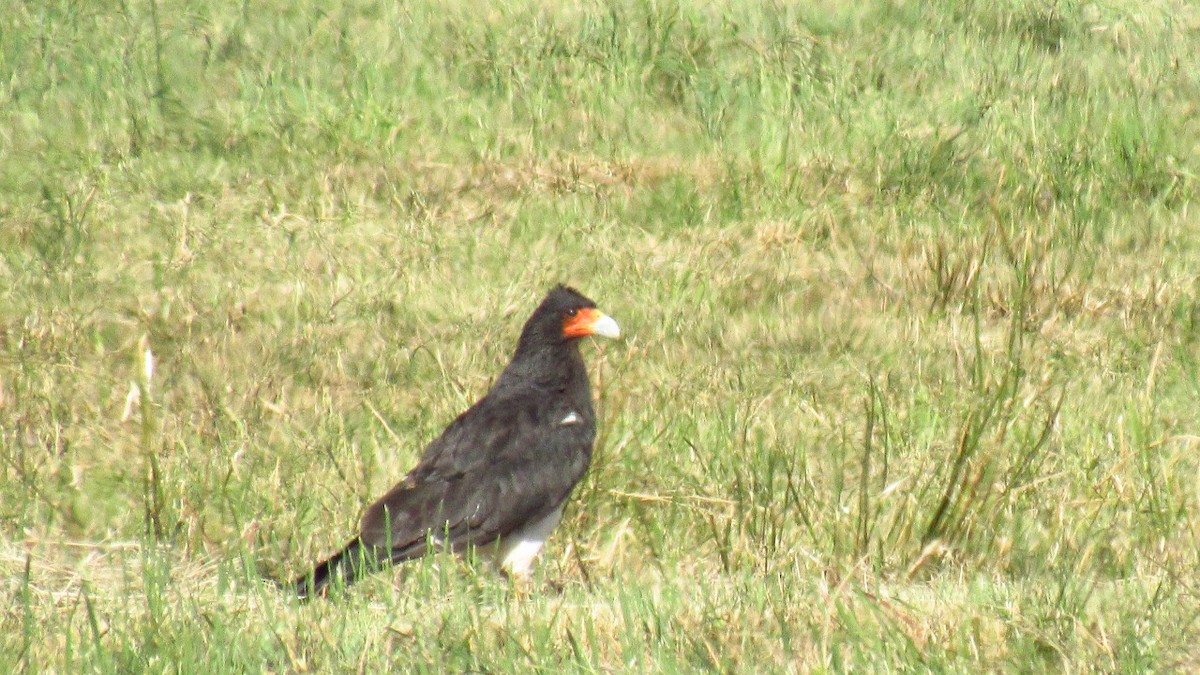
[[605, 326], [591, 322]]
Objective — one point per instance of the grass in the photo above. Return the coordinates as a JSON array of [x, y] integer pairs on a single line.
[[910, 378]]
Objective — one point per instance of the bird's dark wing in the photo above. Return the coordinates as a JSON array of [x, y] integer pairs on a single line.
[[505, 462]]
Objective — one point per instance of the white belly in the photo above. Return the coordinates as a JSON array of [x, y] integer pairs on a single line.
[[519, 548]]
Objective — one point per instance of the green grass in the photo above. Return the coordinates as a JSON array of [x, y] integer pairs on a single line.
[[911, 374]]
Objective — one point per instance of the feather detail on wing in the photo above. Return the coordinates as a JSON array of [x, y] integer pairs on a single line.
[[499, 466]]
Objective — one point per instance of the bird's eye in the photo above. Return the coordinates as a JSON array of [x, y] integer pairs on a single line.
[[572, 312]]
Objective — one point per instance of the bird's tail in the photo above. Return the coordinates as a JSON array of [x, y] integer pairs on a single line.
[[350, 564]]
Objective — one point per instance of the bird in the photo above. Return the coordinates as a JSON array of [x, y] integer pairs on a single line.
[[500, 473]]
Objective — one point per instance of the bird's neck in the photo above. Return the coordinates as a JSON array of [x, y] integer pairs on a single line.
[[558, 368]]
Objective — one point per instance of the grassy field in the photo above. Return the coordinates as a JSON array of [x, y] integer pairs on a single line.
[[911, 369]]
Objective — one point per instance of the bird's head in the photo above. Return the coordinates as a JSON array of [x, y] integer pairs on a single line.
[[566, 315]]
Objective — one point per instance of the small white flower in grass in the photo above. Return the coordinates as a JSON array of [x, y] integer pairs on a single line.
[[131, 399], [134, 397], [147, 361]]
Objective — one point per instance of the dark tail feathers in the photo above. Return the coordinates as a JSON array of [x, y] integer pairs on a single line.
[[349, 565]]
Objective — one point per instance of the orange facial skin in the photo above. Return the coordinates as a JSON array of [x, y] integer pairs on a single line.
[[582, 323]]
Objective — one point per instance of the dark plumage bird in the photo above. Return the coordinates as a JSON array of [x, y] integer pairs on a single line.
[[500, 473]]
